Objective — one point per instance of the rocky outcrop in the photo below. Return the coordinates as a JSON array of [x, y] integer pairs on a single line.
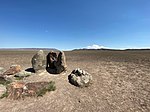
[[56, 64], [39, 61], [80, 78]]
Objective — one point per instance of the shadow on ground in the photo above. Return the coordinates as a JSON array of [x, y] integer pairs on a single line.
[[30, 70], [51, 70]]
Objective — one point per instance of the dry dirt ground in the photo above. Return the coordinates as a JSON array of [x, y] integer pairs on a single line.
[[121, 83]]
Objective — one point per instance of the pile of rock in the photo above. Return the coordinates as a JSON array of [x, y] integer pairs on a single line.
[[8, 76], [54, 63], [11, 73], [80, 78]]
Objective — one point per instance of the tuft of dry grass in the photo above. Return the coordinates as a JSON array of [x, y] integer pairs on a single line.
[[51, 87]]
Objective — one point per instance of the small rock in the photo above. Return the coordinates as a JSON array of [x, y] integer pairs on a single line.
[[80, 78], [9, 78], [12, 70], [2, 90], [23, 73], [39, 61]]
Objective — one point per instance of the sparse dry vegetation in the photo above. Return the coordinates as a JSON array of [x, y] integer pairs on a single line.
[[51, 87], [121, 83]]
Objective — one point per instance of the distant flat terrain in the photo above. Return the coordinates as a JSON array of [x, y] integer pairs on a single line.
[[121, 83]]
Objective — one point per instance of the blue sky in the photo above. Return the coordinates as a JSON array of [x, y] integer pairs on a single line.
[[69, 24]]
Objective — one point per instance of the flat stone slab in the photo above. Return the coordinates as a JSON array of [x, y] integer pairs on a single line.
[[18, 90]]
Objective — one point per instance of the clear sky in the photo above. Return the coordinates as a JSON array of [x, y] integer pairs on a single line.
[[69, 24]]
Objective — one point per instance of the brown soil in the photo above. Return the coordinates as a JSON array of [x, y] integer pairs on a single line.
[[121, 83]]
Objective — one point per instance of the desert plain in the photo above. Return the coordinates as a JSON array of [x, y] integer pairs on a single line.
[[121, 82]]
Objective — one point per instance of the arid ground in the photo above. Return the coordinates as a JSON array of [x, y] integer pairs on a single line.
[[121, 83]]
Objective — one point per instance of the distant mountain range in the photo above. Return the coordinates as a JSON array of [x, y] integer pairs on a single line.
[[49, 49], [105, 49], [29, 49]]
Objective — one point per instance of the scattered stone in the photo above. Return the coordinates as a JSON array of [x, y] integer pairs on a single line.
[[56, 64], [2, 90], [39, 61], [12, 70], [18, 90], [80, 78]]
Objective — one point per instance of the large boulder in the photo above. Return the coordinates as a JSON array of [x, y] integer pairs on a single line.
[[56, 63], [80, 78], [61, 63], [13, 70], [39, 61], [51, 59]]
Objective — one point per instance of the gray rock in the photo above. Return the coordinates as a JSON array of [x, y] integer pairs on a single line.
[[80, 78], [2, 90], [23, 73], [10, 78], [39, 61]]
